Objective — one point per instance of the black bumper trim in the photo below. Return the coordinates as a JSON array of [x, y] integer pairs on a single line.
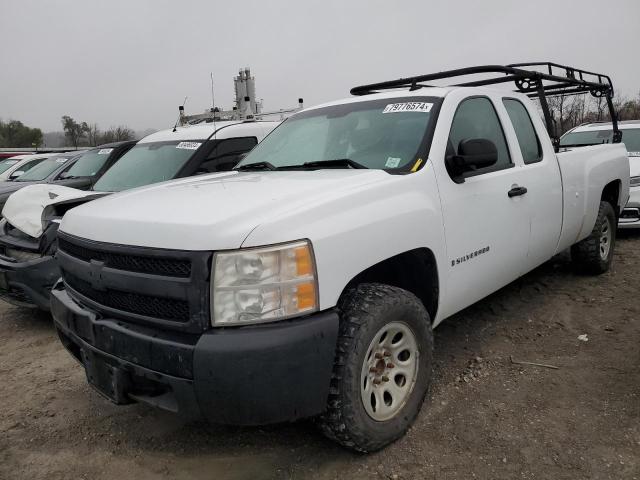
[[253, 375], [29, 283]]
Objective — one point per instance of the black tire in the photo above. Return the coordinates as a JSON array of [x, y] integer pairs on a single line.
[[365, 310], [587, 255]]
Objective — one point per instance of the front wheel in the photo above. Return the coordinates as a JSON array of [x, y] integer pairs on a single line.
[[382, 368], [594, 254]]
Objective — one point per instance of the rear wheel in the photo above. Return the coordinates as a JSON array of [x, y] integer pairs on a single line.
[[594, 254], [382, 368]]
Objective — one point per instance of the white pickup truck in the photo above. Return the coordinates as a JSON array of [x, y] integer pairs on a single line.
[[601, 132], [307, 281]]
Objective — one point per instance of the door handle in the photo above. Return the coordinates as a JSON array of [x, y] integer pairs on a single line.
[[517, 191]]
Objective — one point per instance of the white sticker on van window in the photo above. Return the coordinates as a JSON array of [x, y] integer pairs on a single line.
[[61, 160], [189, 145], [634, 154], [420, 107], [11, 162], [105, 151], [392, 162]]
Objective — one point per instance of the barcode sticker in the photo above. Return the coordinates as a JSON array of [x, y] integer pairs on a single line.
[[420, 107], [105, 151], [189, 145]]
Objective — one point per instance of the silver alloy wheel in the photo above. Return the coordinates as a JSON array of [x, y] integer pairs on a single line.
[[605, 239], [389, 371]]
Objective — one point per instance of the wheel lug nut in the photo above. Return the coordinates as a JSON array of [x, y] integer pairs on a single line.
[[378, 355], [386, 353], [376, 381], [390, 365], [385, 378], [373, 370]]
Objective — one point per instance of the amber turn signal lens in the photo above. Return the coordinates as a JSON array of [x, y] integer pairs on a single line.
[[304, 263], [306, 294]]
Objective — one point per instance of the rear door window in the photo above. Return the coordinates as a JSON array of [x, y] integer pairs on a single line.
[[525, 131]]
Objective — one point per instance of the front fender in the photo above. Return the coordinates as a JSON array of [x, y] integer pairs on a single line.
[[354, 230]]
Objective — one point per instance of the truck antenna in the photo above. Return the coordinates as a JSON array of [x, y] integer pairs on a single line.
[[213, 105], [180, 114]]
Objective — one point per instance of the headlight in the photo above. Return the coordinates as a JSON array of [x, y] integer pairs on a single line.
[[635, 182], [257, 285], [22, 255]]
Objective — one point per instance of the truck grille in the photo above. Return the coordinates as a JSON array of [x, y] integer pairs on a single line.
[[132, 263], [167, 288], [163, 308]]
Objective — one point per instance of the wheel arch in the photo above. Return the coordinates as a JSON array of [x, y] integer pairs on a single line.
[[611, 194], [414, 270]]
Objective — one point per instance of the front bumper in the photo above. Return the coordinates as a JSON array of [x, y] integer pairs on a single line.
[[630, 217], [250, 375], [28, 283]]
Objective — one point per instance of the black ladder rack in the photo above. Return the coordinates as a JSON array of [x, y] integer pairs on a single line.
[[537, 80]]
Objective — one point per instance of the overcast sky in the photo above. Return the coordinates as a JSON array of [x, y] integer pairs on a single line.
[[132, 62]]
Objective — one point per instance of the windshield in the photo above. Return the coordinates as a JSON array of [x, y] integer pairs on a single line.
[[88, 164], [147, 163], [42, 170], [378, 134], [7, 164], [630, 138]]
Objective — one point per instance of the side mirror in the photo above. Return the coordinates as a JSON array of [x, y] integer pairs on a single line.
[[472, 154], [16, 174]]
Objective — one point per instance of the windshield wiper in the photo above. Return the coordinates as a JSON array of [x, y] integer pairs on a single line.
[[256, 166], [334, 163]]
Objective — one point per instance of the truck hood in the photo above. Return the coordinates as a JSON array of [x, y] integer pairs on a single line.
[[28, 208], [212, 212]]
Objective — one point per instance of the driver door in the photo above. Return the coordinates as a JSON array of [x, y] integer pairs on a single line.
[[486, 230]]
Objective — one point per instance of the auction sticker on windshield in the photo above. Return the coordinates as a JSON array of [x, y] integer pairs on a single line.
[[420, 107], [189, 145], [105, 151]]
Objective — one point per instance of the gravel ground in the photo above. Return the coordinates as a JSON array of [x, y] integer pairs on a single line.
[[485, 416]]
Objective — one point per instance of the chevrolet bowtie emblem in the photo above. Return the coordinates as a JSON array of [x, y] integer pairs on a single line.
[[53, 195], [96, 275]]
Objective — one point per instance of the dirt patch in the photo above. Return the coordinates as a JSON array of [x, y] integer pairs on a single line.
[[485, 417]]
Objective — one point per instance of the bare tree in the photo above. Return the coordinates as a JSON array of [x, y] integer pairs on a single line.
[[117, 134], [93, 134]]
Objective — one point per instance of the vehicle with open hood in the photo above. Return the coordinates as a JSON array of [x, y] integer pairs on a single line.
[[307, 281]]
